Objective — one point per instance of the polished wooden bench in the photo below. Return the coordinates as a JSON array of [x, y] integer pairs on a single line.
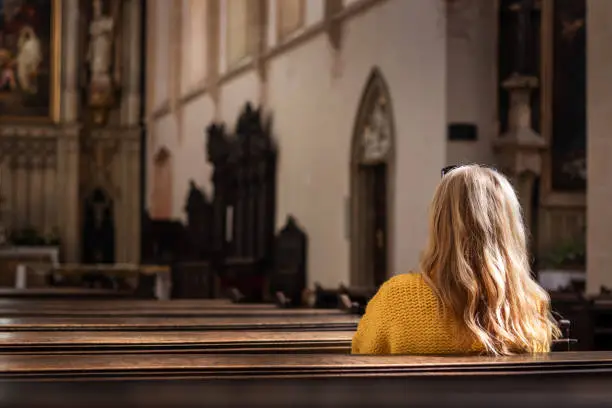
[[110, 323], [93, 303], [207, 342], [556, 379], [173, 312], [61, 293]]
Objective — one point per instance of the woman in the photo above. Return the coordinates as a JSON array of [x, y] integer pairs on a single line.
[[475, 292]]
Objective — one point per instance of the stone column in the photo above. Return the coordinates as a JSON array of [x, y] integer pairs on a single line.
[[128, 214], [68, 139], [599, 146], [68, 193], [133, 208], [520, 148], [130, 105], [70, 61]]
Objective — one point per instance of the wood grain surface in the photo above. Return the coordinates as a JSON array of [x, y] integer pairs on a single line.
[[307, 322]]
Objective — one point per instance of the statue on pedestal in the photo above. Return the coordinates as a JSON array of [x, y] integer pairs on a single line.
[[100, 60]]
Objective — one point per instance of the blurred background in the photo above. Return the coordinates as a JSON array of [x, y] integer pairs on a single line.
[[193, 134]]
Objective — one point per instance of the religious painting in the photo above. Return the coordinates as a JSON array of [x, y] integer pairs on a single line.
[[29, 59], [568, 142]]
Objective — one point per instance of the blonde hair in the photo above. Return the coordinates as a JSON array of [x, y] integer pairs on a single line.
[[477, 262]]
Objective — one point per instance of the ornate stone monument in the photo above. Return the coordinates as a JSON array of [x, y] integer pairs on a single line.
[[51, 166], [520, 148]]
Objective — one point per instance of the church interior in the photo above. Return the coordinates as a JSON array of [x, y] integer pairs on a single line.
[[204, 194]]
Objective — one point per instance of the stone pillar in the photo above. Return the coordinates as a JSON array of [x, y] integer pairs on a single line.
[[132, 206], [130, 106], [68, 140], [70, 61], [520, 148], [69, 201], [599, 146], [128, 212]]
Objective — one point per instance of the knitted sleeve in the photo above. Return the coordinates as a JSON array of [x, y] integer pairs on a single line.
[[372, 336]]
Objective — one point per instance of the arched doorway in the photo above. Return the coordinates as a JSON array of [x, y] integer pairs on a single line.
[[372, 176], [161, 203]]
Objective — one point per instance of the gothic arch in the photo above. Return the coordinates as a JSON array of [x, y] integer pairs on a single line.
[[161, 202], [372, 176]]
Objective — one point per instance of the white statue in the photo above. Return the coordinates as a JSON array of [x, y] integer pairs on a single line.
[[29, 57], [377, 133], [100, 50]]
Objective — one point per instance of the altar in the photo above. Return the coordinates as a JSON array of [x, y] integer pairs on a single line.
[[20, 264]]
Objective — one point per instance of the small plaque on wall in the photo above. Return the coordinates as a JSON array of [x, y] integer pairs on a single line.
[[462, 132]]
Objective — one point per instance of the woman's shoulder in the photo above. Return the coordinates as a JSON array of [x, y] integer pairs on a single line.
[[405, 282]]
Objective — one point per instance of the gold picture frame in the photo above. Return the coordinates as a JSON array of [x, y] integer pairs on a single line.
[[45, 109]]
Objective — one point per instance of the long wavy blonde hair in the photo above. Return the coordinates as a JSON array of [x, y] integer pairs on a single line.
[[477, 263]]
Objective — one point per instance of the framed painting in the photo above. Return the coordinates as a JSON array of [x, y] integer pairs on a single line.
[[30, 41]]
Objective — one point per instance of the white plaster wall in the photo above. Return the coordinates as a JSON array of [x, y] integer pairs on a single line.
[[314, 111], [194, 44], [315, 11], [599, 145], [314, 117], [162, 14], [472, 78], [235, 94], [188, 153]]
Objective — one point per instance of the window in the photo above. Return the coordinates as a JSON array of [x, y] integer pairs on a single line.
[[194, 43], [238, 29], [290, 16]]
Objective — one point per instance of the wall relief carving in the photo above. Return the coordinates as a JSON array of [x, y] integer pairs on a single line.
[[99, 155], [29, 153]]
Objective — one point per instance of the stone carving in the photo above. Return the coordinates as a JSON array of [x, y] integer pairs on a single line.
[[30, 153], [101, 153], [100, 61], [377, 132], [99, 55]]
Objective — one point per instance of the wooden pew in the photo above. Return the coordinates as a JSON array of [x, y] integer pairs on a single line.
[[110, 323], [161, 312], [601, 315], [93, 303], [159, 380], [131, 308], [205, 342], [61, 293]]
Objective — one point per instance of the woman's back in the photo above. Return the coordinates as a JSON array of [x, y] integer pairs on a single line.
[[476, 291], [405, 318]]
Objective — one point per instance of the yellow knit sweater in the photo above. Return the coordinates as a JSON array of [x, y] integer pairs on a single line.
[[404, 318]]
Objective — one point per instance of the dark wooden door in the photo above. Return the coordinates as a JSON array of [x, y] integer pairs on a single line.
[[379, 218]]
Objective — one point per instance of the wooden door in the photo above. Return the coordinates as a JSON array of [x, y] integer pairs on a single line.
[[379, 218]]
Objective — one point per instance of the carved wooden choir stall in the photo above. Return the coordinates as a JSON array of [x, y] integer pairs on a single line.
[[229, 242], [244, 203]]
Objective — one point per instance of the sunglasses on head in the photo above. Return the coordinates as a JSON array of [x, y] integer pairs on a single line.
[[448, 169]]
